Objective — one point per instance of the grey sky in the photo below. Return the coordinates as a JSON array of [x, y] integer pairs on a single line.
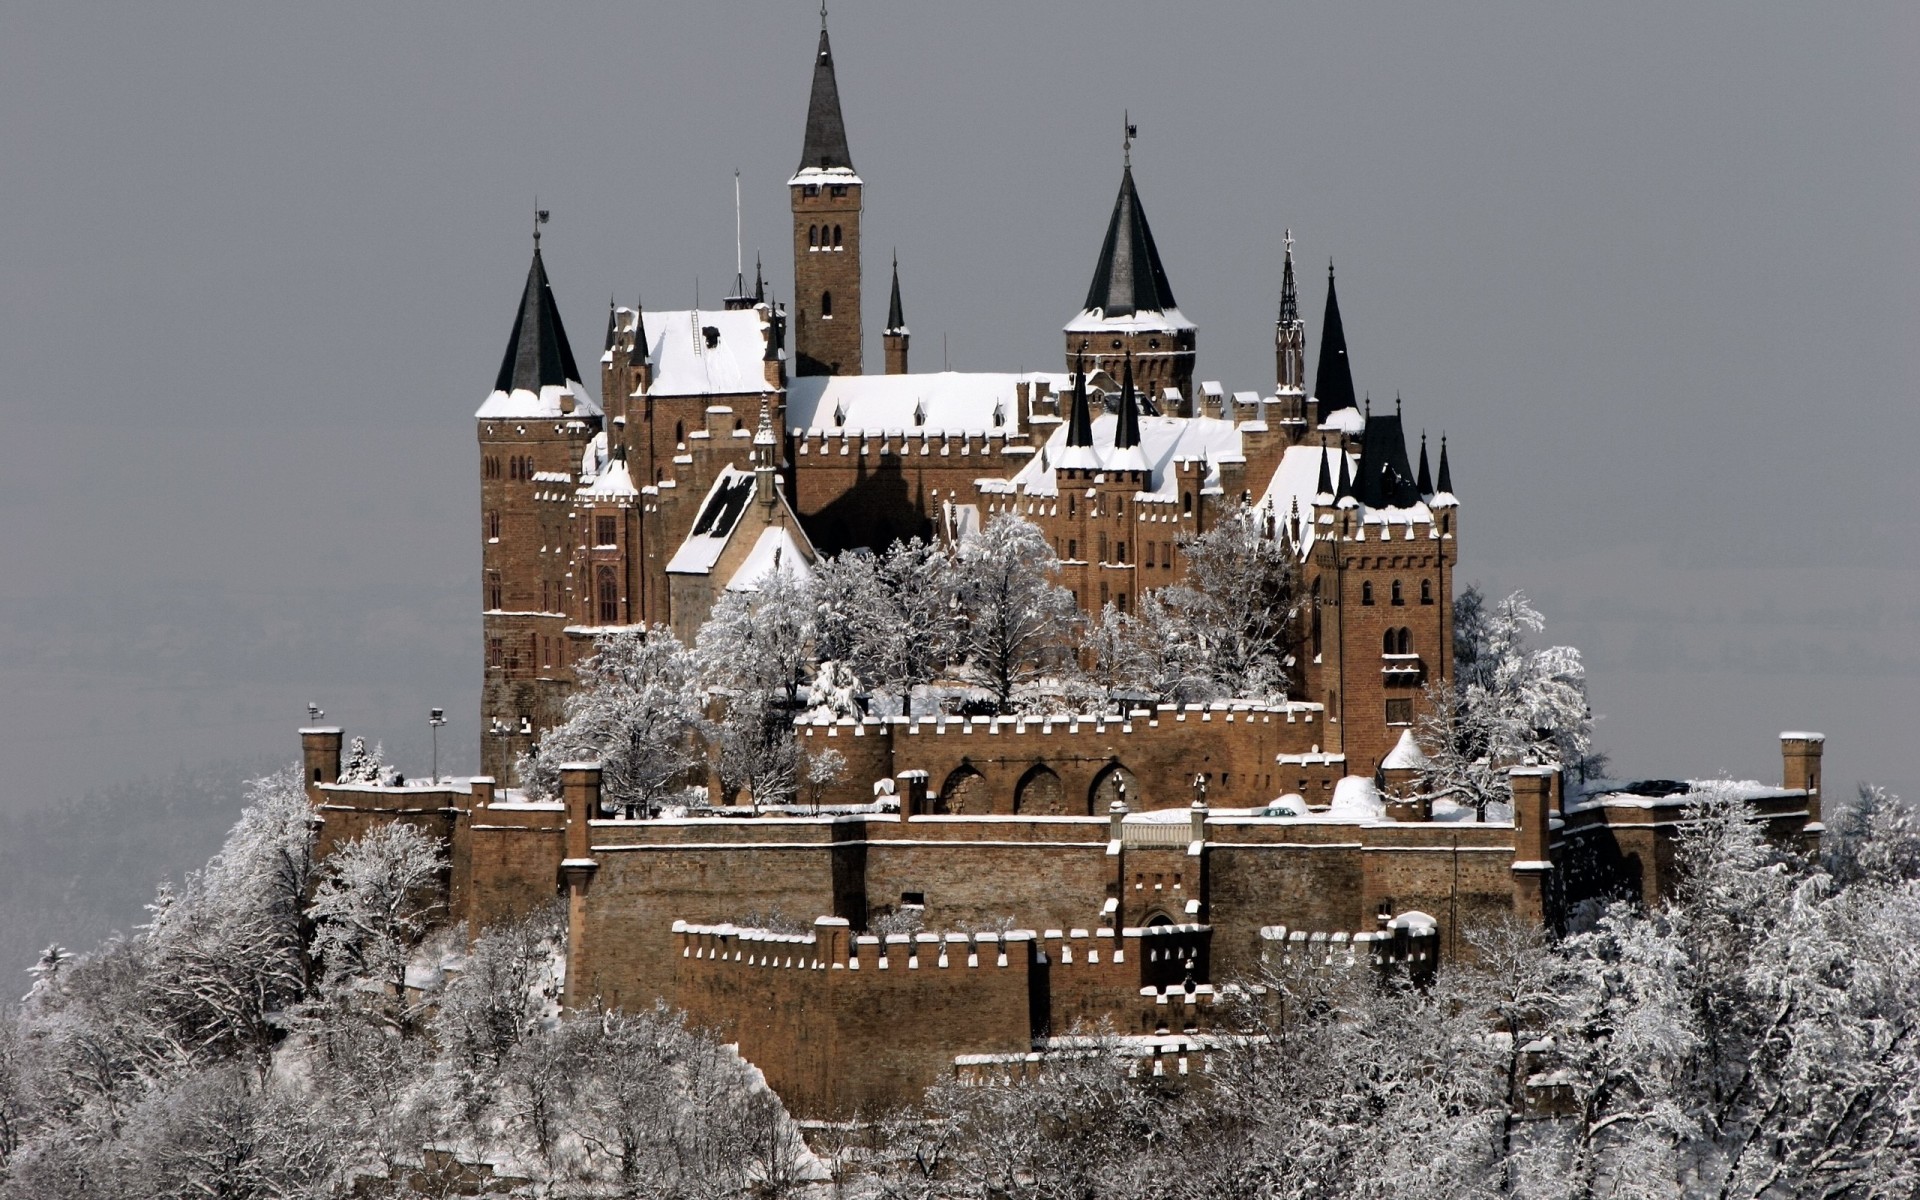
[[1653, 268]]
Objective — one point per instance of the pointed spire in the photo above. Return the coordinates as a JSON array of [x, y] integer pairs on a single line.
[[1445, 481], [642, 348], [1424, 481], [1345, 490], [1325, 486], [537, 354], [1333, 378], [1129, 278], [1289, 302], [826, 143], [759, 282], [610, 312], [1080, 420], [1126, 434], [896, 317]]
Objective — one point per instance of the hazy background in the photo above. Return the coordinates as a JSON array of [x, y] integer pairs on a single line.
[[1654, 268]]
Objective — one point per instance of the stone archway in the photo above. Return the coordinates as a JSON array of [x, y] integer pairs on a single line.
[[1040, 793], [1106, 789], [965, 791]]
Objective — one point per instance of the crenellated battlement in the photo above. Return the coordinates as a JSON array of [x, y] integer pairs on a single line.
[[1409, 942]]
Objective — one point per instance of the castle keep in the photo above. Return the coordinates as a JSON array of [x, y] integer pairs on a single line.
[[1122, 866]]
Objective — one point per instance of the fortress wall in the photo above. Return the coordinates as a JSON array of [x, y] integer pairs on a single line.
[[348, 811], [512, 861], [870, 490], [986, 875], [841, 1023]]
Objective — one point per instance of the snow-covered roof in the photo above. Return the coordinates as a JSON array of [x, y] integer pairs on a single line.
[[1164, 441], [729, 496], [776, 551], [684, 364], [1405, 755], [552, 400], [943, 402], [824, 175], [1094, 320], [613, 483], [1345, 420]]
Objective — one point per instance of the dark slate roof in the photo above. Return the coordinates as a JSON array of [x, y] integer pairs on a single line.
[[728, 501], [1127, 433], [1325, 486], [610, 311], [896, 317], [1425, 477], [1445, 481], [1129, 277], [1333, 378], [1080, 419], [1385, 480], [642, 348], [1346, 479], [826, 145], [537, 354]]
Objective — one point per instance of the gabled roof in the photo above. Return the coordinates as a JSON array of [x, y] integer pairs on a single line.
[[826, 144], [538, 376], [1129, 279], [1333, 377]]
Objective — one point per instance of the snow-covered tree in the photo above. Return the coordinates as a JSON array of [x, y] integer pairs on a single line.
[[1239, 599], [1017, 622], [906, 631], [761, 640], [1508, 704], [378, 896], [823, 769], [363, 765], [758, 752], [636, 712]]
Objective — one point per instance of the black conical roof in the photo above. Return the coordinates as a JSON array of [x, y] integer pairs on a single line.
[[1385, 480], [1446, 473], [1079, 418], [1127, 433], [1325, 486], [537, 354], [1333, 378], [826, 145], [1129, 277], [1346, 479], [1425, 477], [610, 313], [896, 316], [1289, 301]]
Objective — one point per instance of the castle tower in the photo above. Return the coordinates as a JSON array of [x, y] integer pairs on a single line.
[[895, 337], [1333, 376], [1130, 309], [534, 429], [1289, 343], [826, 235]]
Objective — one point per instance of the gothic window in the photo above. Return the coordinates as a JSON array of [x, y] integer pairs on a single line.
[[1426, 591], [1386, 642], [494, 590], [1406, 640], [609, 597], [1073, 548], [604, 531], [1366, 592], [679, 433], [836, 237], [1120, 553], [813, 237], [1186, 502], [1103, 551], [826, 305], [1397, 597], [493, 524], [496, 653]]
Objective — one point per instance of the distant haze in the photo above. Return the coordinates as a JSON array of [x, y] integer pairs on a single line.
[[1654, 269]]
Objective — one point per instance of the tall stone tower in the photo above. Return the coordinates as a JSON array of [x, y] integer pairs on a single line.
[[1130, 311], [826, 235], [534, 427]]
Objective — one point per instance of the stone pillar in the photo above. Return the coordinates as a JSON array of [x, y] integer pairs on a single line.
[[911, 789], [1532, 805], [481, 788], [1800, 771], [832, 938], [320, 756], [580, 788]]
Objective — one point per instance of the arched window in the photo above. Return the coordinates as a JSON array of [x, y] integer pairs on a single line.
[[1406, 640], [609, 597], [1397, 597], [493, 590], [1446, 524], [493, 524], [1073, 549], [1186, 502], [1426, 591], [679, 433], [836, 237], [813, 237], [826, 305], [1366, 592], [1387, 641]]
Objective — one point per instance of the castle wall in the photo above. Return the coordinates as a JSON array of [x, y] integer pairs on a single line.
[[870, 490], [512, 852]]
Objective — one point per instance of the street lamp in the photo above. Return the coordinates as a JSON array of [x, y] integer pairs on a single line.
[[436, 717]]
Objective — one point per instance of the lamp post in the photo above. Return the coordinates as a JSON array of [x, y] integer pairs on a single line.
[[436, 717]]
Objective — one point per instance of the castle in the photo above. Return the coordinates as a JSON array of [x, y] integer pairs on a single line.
[[1119, 865]]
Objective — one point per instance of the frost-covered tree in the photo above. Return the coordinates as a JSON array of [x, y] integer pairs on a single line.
[[1017, 622], [907, 629], [363, 765], [1239, 599], [757, 750], [636, 712], [823, 769], [1508, 703], [378, 896], [761, 640]]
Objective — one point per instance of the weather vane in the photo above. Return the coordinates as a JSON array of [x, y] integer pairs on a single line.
[[540, 217], [1126, 143]]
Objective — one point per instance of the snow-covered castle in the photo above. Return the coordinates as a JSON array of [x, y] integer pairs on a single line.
[[1139, 854]]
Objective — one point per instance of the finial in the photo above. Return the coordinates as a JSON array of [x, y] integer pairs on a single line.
[[1289, 240], [1396, 405], [1126, 143], [539, 218], [823, 16], [1329, 266], [1369, 406]]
